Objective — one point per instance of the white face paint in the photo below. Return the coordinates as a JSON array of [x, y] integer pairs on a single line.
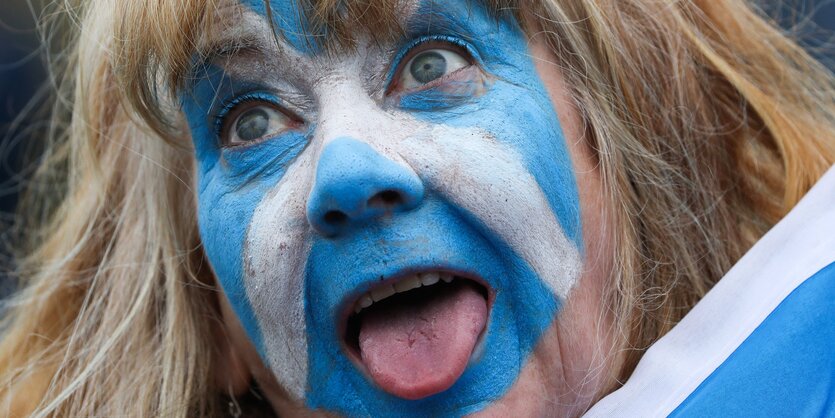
[[477, 163]]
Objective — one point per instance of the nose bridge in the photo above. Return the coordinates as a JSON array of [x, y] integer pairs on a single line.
[[359, 176], [355, 184], [346, 109]]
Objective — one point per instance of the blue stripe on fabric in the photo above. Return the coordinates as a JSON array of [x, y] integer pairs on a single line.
[[785, 368]]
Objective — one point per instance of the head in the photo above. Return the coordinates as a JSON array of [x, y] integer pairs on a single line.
[[395, 223], [410, 207]]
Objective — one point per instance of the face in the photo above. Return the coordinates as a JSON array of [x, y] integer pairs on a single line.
[[397, 227]]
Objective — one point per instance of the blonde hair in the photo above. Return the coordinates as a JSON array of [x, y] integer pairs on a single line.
[[708, 124]]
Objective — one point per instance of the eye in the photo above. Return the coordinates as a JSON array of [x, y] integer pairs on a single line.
[[250, 122], [429, 65]]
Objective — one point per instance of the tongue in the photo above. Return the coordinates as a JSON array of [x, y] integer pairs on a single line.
[[418, 344]]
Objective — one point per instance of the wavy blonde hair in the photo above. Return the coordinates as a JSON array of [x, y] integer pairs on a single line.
[[708, 124]]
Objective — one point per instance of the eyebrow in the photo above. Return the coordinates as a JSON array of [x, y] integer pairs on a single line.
[[218, 53], [430, 18], [227, 40], [240, 41], [226, 47]]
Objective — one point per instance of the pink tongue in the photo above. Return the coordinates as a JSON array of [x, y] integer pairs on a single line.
[[418, 344]]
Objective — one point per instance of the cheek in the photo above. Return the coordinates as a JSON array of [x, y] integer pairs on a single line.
[[250, 224], [571, 123], [275, 254], [223, 216], [597, 220], [492, 183]]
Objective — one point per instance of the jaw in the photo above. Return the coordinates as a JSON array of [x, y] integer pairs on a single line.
[[535, 392]]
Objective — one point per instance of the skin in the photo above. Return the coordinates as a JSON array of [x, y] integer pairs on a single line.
[[561, 374]]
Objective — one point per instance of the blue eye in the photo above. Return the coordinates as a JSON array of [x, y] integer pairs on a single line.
[[253, 124], [429, 65], [252, 121]]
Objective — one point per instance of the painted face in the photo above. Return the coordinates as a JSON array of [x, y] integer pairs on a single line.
[[395, 225]]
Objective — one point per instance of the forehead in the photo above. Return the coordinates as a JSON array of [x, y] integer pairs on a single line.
[[307, 26], [327, 27]]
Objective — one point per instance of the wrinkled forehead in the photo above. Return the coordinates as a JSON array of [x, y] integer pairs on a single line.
[[332, 27], [307, 26]]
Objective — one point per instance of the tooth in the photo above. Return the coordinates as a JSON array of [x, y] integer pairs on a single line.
[[382, 292], [407, 284], [429, 279], [363, 302], [446, 278]]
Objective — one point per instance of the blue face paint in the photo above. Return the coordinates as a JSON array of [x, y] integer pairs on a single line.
[[517, 108], [427, 230], [433, 237], [518, 111], [349, 175], [289, 20], [231, 183]]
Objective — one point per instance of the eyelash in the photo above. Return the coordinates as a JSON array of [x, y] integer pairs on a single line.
[[229, 107], [411, 49]]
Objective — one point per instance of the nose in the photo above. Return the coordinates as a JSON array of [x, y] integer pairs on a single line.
[[355, 184]]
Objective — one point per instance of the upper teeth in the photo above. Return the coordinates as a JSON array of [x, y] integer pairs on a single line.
[[403, 285]]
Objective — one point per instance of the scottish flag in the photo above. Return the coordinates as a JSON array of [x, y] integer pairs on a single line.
[[761, 343]]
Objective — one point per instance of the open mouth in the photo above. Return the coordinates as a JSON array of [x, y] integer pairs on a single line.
[[415, 335]]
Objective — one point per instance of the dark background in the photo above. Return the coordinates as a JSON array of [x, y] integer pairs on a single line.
[[22, 75], [22, 84]]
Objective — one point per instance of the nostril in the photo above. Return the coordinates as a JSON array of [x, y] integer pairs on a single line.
[[335, 217], [354, 185], [386, 199], [390, 197]]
